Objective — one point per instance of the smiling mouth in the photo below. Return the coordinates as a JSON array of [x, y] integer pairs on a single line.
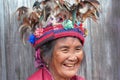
[[69, 65]]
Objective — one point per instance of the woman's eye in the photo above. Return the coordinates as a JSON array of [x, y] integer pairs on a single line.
[[64, 50], [79, 48]]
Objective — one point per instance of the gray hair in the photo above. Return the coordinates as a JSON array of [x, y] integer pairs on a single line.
[[47, 50]]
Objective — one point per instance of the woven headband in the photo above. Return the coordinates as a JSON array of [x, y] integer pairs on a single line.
[[43, 35]]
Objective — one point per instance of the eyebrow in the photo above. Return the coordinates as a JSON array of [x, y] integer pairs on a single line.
[[63, 47], [80, 46]]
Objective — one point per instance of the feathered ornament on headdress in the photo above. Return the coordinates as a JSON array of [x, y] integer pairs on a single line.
[[54, 12]]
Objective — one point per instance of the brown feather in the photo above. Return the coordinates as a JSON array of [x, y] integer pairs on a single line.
[[94, 4], [87, 14], [23, 29], [34, 19], [22, 10]]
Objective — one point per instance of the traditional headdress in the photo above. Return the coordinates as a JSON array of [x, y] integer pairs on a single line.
[[52, 19]]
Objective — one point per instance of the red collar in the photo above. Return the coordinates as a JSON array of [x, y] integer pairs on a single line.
[[44, 74]]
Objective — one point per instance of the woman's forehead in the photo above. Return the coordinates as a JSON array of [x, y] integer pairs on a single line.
[[68, 40]]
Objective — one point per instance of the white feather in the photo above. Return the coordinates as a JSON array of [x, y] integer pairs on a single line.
[[84, 9]]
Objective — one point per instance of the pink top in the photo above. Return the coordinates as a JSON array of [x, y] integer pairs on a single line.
[[44, 74]]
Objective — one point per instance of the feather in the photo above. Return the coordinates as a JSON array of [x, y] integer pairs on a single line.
[[28, 20], [74, 16], [36, 5], [87, 14], [23, 29], [88, 9], [34, 20], [95, 4], [83, 9], [21, 11]]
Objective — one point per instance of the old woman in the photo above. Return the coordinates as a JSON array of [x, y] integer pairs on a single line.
[[59, 51], [61, 59], [58, 36]]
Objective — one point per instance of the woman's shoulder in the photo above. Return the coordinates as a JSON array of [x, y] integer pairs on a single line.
[[41, 74], [36, 75]]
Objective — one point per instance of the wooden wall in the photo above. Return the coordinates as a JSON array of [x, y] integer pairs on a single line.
[[102, 47]]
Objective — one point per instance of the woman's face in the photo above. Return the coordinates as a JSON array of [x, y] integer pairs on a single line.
[[66, 59]]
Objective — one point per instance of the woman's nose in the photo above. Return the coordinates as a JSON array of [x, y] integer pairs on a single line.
[[72, 58]]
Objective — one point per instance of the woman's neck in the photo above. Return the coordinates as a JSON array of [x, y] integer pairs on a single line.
[[56, 76]]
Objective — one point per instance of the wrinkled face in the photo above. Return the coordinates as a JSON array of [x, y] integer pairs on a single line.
[[66, 59]]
